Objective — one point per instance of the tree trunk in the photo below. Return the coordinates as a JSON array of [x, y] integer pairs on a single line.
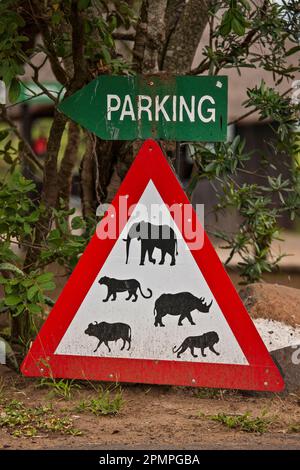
[[140, 39], [50, 188], [155, 36], [172, 15], [87, 183], [68, 163], [186, 36], [167, 35], [105, 159]]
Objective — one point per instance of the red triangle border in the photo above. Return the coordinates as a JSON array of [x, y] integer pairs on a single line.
[[260, 374]]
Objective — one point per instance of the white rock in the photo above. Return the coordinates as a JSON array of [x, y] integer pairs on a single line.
[[277, 335]]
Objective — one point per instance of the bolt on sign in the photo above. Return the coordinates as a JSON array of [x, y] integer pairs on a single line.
[[149, 300], [160, 107]]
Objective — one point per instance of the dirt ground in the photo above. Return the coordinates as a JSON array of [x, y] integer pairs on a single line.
[[152, 417]]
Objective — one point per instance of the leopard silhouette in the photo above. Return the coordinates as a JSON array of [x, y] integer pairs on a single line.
[[118, 285]]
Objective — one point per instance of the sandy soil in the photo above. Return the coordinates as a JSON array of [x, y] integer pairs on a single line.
[[156, 417]]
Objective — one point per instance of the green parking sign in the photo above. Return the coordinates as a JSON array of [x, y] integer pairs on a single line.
[[162, 107]]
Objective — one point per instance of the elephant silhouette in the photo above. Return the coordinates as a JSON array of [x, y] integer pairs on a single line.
[[153, 236]]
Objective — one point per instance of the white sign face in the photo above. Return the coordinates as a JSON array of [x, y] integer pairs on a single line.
[[179, 321]]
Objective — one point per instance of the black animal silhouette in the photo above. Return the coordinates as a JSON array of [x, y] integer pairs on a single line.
[[106, 332], [153, 236], [182, 304], [118, 285], [207, 340]]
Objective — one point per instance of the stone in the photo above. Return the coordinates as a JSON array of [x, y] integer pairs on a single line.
[[275, 310], [272, 301], [288, 362]]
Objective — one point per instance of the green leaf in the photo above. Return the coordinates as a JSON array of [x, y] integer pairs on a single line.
[[56, 17], [225, 27], [22, 38], [27, 282], [31, 292], [27, 228], [246, 4], [12, 300], [48, 301], [292, 51], [113, 23], [54, 234], [4, 134], [83, 4], [14, 90], [11, 267], [34, 308], [77, 222], [106, 55], [50, 285], [20, 308], [45, 277], [210, 167], [237, 27]]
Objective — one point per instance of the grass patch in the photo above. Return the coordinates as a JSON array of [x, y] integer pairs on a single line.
[[244, 422], [214, 393], [60, 388], [294, 428], [208, 393], [22, 421], [107, 402]]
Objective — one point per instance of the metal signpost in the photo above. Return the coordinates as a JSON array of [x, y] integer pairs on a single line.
[[149, 300]]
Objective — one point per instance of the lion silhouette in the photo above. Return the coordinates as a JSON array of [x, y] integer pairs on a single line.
[[207, 340]]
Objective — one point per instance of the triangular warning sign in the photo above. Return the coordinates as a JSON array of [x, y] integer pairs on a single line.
[[149, 300]]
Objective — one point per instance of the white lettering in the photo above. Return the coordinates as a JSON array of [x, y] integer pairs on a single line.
[[129, 111], [112, 460], [174, 117], [190, 112], [144, 107], [159, 107], [212, 111], [111, 108], [296, 356]]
